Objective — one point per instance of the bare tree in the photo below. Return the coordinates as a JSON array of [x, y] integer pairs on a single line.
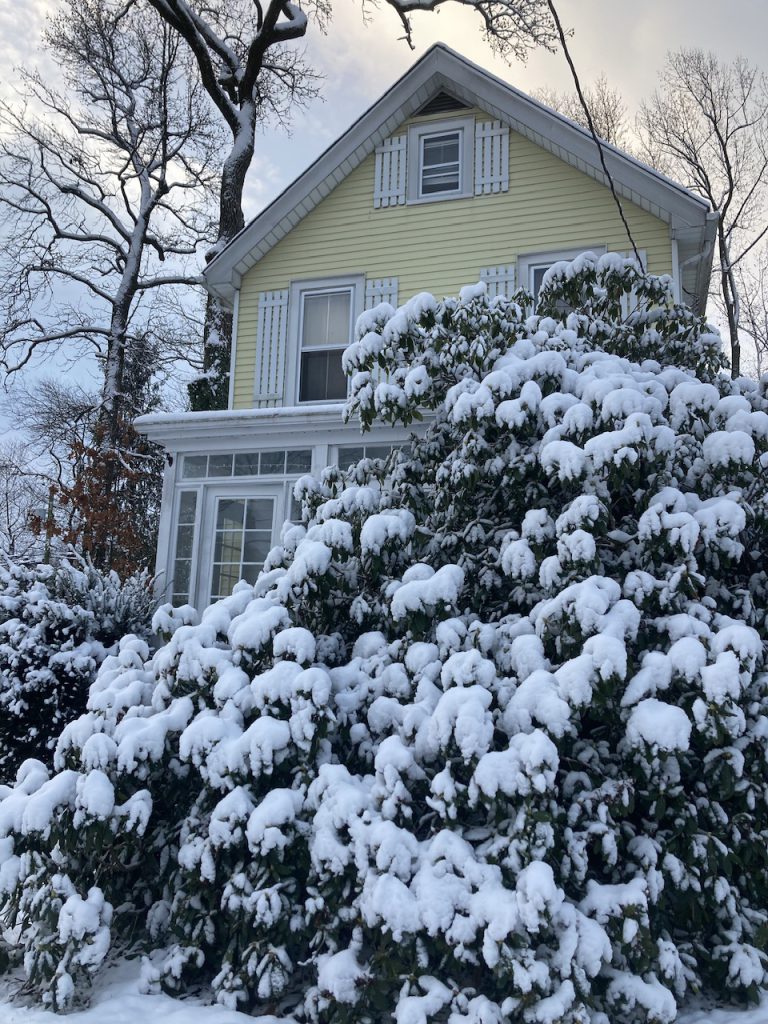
[[708, 128], [752, 284], [103, 190], [251, 73], [23, 496], [606, 105]]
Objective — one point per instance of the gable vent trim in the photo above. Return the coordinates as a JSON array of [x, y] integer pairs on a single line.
[[441, 104]]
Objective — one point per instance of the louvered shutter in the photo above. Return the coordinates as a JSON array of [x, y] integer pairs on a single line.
[[380, 290], [271, 334], [491, 157], [500, 280], [389, 180]]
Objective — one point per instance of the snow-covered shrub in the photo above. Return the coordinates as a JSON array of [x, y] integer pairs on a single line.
[[57, 624], [487, 741]]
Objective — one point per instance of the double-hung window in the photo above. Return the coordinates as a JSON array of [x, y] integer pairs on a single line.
[[325, 331], [440, 159], [440, 164]]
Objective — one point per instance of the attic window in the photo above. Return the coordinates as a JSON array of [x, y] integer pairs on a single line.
[[440, 104], [441, 162], [440, 170]]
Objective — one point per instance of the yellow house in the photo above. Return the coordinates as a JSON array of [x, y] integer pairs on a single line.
[[452, 176]]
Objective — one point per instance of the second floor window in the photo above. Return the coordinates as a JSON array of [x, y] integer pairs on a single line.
[[440, 164], [326, 329]]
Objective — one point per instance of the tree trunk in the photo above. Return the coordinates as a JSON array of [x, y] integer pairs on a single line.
[[728, 290], [211, 390]]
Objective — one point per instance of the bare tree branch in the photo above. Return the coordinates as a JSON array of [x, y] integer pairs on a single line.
[[708, 127]]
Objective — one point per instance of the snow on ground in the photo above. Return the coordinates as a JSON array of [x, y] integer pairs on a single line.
[[116, 1000]]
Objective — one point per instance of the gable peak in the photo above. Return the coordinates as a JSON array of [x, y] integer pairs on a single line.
[[441, 103]]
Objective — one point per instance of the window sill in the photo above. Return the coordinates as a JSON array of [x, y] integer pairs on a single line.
[[439, 199]]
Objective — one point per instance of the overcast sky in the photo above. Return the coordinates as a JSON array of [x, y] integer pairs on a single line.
[[360, 61], [626, 41]]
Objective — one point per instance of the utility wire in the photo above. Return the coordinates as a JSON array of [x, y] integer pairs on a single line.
[[595, 136]]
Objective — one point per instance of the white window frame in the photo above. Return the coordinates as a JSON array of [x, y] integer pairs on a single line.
[[528, 262], [170, 582], [355, 283], [465, 126], [210, 501]]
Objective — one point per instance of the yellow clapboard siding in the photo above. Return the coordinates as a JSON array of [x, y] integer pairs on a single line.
[[441, 246]]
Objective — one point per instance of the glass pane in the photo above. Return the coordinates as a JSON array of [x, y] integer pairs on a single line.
[[247, 464], [313, 369], [224, 579], [273, 462], [336, 379], [220, 465], [251, 572], [184, 538], [326, 319], [230, 514], [322, 377], [299, 461], [227, 546], [187, 506], [194, 466], [295, 513], [181, 574], [377, 451], [256, 547], [537, 277], [441, 149], [350, 456], [259, 515]]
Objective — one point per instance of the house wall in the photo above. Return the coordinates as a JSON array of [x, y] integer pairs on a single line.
[[441, 246]]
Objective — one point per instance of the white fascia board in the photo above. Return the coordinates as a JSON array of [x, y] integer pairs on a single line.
[[237, 428], [695, 249], [442, 68], [244, 430]]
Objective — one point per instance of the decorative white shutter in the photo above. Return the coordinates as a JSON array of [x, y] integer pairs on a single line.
[[389, 178], [500, 280], [629, 302], [491, 157], [381, 290], [271, 333]]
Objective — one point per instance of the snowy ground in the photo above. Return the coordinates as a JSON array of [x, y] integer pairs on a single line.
[[116, 1000]]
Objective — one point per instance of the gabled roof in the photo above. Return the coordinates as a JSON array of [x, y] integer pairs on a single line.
[[441, 69]]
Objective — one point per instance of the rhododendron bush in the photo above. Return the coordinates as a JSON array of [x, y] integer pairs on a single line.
[[487, 741], [57, 625]]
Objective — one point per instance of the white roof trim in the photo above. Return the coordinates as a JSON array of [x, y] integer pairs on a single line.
[[443, 69]]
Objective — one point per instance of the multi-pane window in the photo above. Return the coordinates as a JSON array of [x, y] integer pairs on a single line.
[[185, 542], [326, 328], [440, 168], [350, 455], [271, 463], [242, 539]]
